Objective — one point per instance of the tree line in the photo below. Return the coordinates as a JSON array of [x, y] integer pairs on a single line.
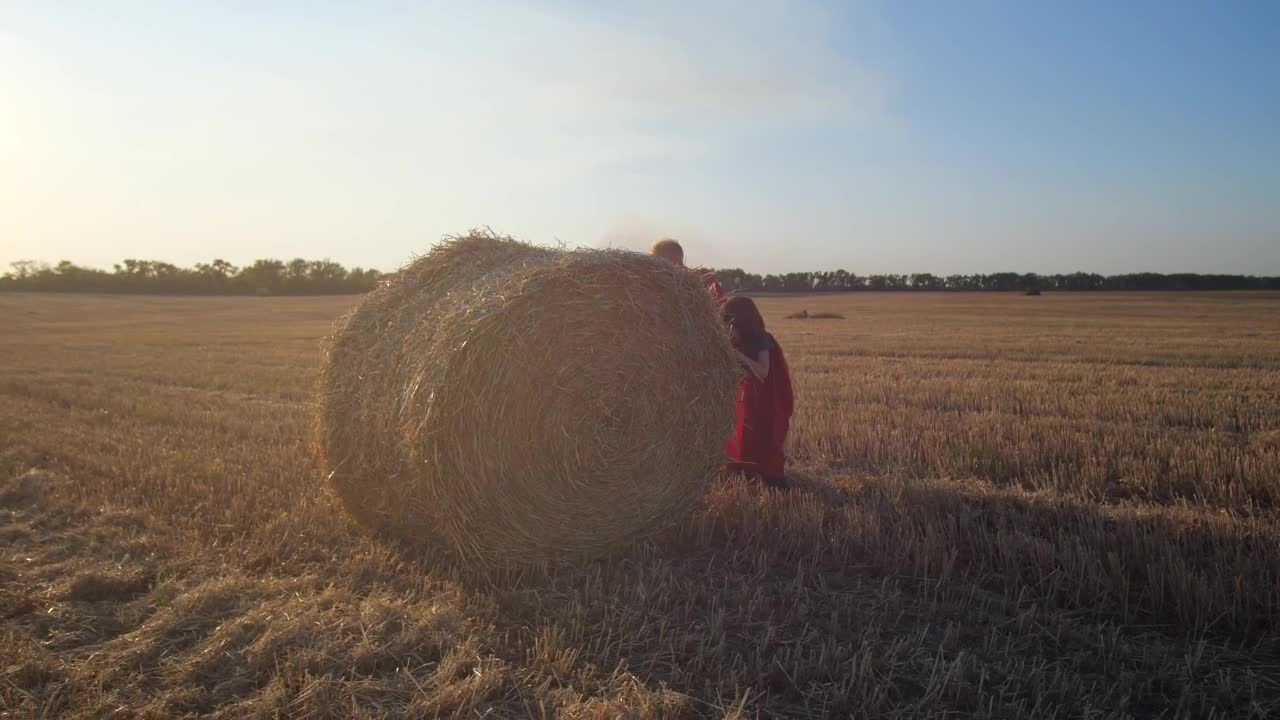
[[325, 277], [263, 277], [844, 281]]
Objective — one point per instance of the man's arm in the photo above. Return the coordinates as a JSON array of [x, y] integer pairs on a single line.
[[713, 284]]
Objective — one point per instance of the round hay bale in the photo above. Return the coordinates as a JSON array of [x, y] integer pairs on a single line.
[[525, 404]]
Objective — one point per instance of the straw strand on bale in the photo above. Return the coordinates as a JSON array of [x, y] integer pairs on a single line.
[[525, 404]]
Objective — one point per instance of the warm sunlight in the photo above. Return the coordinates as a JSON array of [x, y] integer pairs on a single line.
[[688, 360]]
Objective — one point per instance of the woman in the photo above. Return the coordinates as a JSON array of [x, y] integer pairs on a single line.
[[765, 401]]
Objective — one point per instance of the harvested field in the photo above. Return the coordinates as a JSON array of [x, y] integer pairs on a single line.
[[1061, 506]]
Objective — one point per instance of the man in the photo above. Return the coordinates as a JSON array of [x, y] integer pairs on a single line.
[[670, 250]]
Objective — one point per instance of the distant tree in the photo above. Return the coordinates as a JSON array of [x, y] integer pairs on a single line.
[[326, 276], [730, 279], [797, 282], [1002, 281], [265, 277], [926, 281], [214, 277], [27, 268], [361, 280], [1078, 281], [297, 271]]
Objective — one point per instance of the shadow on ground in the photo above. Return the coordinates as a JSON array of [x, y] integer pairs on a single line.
[[880, 596]]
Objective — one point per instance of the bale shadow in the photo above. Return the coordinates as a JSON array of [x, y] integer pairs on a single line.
[[786, 593]]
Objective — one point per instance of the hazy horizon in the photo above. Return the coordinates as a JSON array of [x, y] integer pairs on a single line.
[[112, 266], [873, 137]]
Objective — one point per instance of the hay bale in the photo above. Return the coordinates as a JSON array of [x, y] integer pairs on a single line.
[[821, 315], [524, 404]]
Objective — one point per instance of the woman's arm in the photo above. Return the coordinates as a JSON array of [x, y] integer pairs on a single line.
[[758, 367]]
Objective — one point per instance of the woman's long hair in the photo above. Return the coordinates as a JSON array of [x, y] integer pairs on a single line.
[[744, 320]]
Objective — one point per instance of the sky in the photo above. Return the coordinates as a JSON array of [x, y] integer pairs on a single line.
[[945, 137]]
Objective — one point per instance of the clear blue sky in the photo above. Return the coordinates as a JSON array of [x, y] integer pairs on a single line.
[[878, 137]]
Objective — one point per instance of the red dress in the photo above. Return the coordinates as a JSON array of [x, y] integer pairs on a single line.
[[764, 416]]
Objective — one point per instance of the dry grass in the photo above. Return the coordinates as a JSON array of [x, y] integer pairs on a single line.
[[1007, 507]]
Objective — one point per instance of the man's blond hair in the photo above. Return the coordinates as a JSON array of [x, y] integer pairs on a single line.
[[668, 248]]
